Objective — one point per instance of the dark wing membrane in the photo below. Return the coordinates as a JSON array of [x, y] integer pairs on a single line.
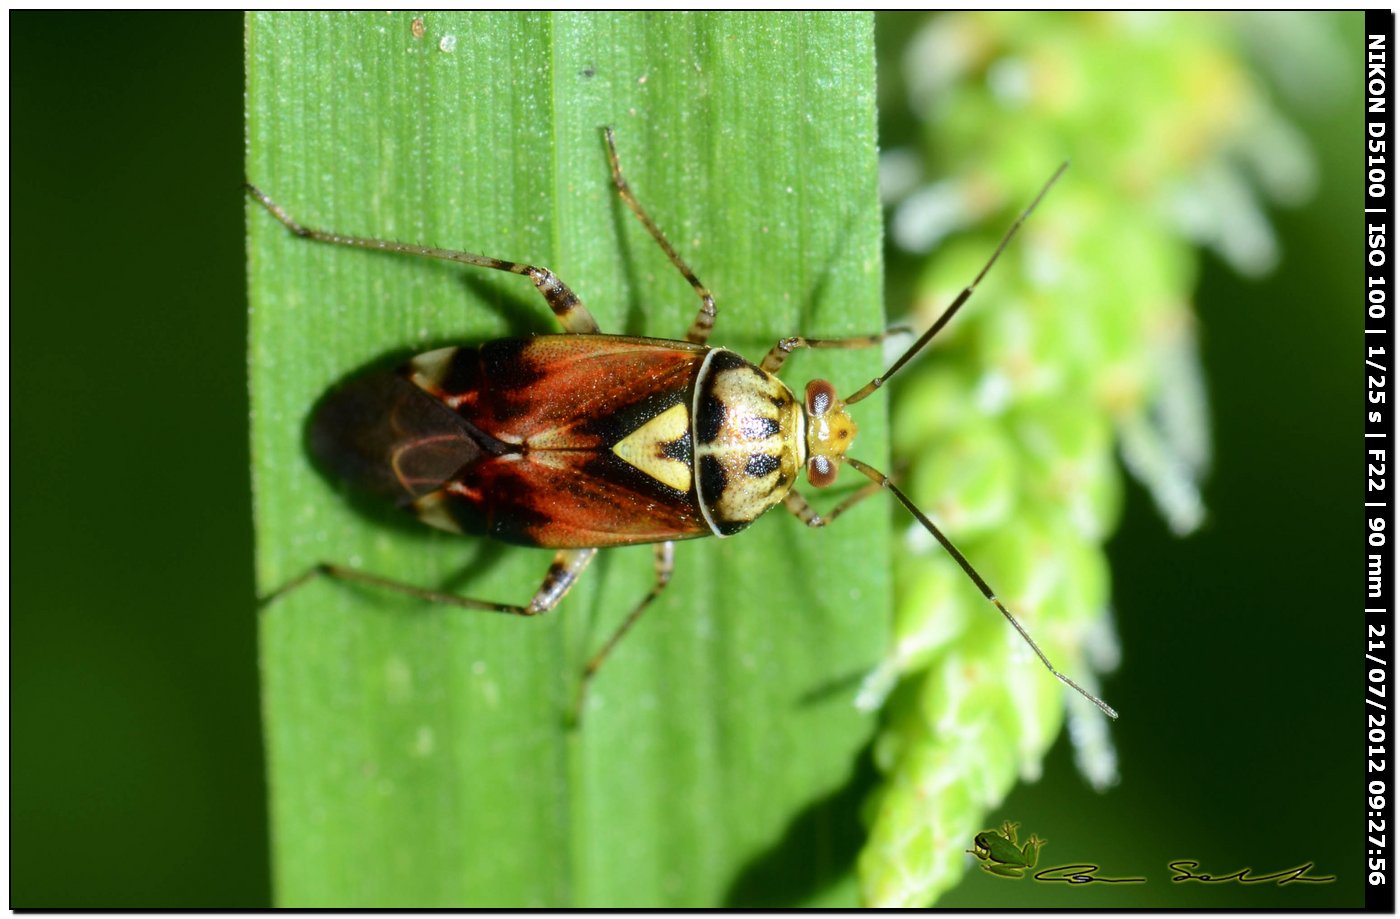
[[566, 499], [382, 434]]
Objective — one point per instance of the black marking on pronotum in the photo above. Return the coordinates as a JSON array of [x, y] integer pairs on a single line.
[[713, 479], [761, 464], [762, 428], [709, 420], [727, 360]]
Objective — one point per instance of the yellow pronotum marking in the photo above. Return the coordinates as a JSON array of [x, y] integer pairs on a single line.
[[645, 448]]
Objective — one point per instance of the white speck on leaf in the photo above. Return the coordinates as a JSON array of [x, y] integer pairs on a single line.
[[398, 680], [424, 741]]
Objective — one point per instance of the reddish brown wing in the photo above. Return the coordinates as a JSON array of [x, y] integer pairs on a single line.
[[567, 499], [514, 439], [560, 403], [561, 392]]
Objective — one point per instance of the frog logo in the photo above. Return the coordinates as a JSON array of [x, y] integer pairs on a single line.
[[999, 854]]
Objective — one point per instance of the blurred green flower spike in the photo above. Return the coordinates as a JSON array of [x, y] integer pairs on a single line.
[[1081, 341]]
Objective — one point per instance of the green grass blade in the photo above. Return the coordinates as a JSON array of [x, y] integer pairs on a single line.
[[417, 756]]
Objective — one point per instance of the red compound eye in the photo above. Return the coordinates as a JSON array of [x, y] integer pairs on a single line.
[[821, 396], [821, 471]]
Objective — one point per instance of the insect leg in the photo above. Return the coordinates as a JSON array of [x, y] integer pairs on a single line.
[[562, 574], [665, 564], [799, 508], [567, 307], [778, 354], [705, 319]]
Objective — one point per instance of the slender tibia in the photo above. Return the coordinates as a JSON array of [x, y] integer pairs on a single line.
[[799, 508], [565, 304], [664, 565], [562, 575], [777, 355], [705, 319]]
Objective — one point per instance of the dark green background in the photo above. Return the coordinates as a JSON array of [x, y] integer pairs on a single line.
[[136, 772]]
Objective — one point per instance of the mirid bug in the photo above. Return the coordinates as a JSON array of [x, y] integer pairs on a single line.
[[583, 440]]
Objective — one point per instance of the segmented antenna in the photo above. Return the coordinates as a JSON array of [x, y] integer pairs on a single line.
[[884, 481], [957, 303]]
